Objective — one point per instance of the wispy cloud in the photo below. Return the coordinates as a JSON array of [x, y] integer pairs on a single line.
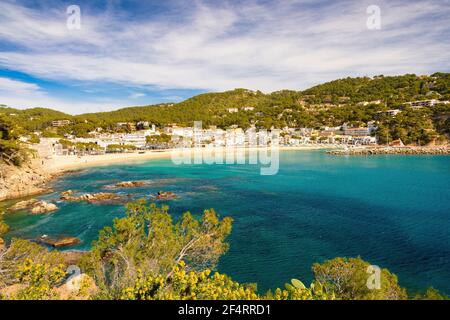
[[137, 95], [21, 94], [18, 87], [223, 45]]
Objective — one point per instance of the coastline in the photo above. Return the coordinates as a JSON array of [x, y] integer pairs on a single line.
[[35, 177], [61, 164]]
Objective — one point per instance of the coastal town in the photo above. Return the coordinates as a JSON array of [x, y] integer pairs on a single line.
[[153, 138], [139, 136]]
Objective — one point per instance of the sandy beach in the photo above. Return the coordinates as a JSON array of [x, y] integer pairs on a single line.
[[34, 177], [59, 164]]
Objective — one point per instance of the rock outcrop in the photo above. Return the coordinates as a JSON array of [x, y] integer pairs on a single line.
[[41, 207], [165, 195], [59, 242], [90, 197], [22, 205], [77, 287], [128, 184], [34, 206], [17, 182], [66, 194]]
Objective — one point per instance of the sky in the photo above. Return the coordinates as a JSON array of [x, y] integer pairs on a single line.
[[128, 53]]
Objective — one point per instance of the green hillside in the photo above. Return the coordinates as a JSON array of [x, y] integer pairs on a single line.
[[329, 104]]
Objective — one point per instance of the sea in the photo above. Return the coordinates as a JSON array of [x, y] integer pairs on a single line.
[[392, 211]]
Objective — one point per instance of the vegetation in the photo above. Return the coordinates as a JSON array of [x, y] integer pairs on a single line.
[[412, 127], [431, 294], [38, 280], [120, 147], [146, 255], [16, 267], [12, 152], [3, 227], [34, 138], [159, 140], [79, 146], [348, 279], [148, 242], [351, 100]]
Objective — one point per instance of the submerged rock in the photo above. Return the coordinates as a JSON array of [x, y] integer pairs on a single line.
[[43, 207], [128, 184], [67, 193], [22, 205], [165, 195]]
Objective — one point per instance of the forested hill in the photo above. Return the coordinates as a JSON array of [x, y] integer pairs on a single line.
[[394, 89], [354, 100]]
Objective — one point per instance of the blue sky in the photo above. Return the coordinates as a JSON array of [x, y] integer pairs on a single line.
[[146, 52]]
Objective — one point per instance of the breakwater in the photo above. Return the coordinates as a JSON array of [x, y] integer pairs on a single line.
[[391, 150]]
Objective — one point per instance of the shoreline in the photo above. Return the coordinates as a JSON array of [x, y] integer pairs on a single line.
[[35, 177], [61, 164]]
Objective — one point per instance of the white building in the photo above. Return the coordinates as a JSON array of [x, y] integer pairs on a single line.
[[357, 131], [423, 103], [60, 123]]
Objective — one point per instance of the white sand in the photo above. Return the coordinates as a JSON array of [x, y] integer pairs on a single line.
[[71, 162]]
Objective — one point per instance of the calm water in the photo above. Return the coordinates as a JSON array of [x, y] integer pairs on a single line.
[[392, 211]]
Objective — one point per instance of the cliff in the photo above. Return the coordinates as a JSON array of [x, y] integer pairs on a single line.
[[26, 180]]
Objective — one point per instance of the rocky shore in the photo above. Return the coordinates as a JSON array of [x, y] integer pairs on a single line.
[[17, 182], [367, 151], [34, 206]]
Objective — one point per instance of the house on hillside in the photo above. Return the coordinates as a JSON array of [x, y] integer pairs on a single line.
[[60, 123], [423, 103], [362, 131], [397, 143]]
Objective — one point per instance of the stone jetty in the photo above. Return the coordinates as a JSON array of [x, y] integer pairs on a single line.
[[367, 151]]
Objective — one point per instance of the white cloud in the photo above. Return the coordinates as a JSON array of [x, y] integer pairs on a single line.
[[137, 95], [19, 94], [267, 46], [18, 87]]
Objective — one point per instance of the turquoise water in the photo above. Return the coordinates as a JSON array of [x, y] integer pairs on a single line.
[[393, 211]]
